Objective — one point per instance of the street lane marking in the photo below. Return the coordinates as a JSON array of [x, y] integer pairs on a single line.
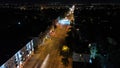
[[44, 64]]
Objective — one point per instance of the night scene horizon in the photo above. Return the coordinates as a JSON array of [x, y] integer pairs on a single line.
[[59, 1], [59, 33]]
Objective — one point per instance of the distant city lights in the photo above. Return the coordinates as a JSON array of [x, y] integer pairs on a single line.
[[19, 23], [89, 45], [80, 55], [90, 61]]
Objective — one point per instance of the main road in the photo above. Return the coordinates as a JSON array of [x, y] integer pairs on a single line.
[[48, 53]]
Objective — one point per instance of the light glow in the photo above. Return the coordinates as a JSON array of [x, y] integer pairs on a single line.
[[90, 61], [64, 22]]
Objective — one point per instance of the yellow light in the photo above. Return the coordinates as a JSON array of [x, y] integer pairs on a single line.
[[69, 30], [65, 48]]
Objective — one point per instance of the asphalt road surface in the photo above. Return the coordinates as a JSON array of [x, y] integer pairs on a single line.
[[47, 55]]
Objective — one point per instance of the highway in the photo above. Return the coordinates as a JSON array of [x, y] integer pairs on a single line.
[[48, 55]]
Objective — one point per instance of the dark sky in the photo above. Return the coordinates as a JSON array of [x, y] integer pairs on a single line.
[[65, 1]]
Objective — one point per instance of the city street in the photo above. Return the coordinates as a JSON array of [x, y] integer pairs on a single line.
[[47, 55]]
